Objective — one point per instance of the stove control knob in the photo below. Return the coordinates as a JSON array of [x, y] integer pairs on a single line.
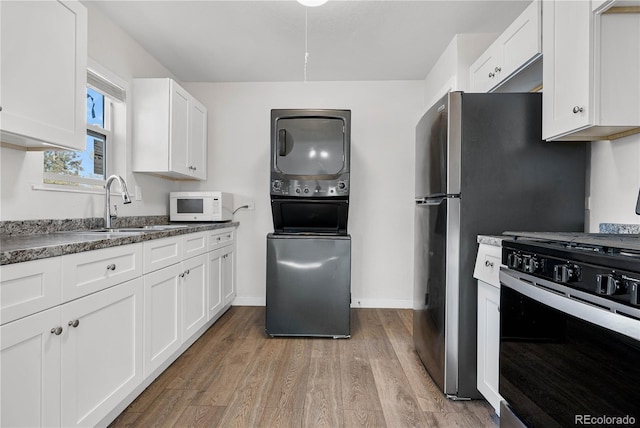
[[342, 185], [566, 273], [514, 261], [277, 185], [297, 190], [609, 285], [530, 264]]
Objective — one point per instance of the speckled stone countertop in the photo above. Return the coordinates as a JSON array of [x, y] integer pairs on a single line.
[[495, 240], [619, 228], [38, 239]]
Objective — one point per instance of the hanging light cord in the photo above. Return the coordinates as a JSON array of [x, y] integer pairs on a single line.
[[306, 37]]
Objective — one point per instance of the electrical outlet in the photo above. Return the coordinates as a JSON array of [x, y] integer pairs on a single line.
[[250, 206]]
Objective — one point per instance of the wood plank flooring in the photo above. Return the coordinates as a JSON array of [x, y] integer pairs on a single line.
[[237, 376]]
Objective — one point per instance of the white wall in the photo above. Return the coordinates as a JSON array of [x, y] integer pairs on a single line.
[[114, 50], [614, 181], [384, 115]]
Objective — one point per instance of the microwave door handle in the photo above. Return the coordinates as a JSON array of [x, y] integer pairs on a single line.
[[282, 142]]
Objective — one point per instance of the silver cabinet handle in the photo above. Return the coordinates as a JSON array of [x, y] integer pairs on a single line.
[[498, 69], [56, 330], [112, 266], [181, 275], [491, 75], [487, 263], [74, 323], [187, 272], [578, 109]]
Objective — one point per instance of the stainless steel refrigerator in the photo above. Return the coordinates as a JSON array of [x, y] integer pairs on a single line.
[[481, 168]]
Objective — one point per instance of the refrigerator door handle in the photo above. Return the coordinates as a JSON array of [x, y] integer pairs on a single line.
[[435, 200]]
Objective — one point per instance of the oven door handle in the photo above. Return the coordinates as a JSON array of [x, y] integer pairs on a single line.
[[622, 324]]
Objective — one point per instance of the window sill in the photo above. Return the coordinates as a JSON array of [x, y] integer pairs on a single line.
[[67, 189]]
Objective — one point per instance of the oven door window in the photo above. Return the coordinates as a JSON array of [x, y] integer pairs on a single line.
[[557, 370]]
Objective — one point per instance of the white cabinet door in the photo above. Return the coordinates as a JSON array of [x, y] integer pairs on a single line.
[[162, 316], [198, 140], [216, 270], [43, 73], [228, 275], [30, 367], [488, 343], [566, 66], [483, 71], [521, 42], [102, 352], [179, 128], [194, 295]]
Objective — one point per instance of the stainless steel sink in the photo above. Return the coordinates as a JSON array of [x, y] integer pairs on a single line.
[[165, 226], [122, 231]]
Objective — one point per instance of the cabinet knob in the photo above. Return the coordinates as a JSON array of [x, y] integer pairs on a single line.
[[112, 266], [74, 323], [187, 272], [488, 263], [181, 275], [578, 109], [56, 330], [0, 108], [498, 69], [491, 75]]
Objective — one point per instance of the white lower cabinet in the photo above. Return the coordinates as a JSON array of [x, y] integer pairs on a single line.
[[228, 275], [101, 352], [56, 374], [162, 320], [487, 271], [489, 343], [84, 333], [30, 367], [194, 295]]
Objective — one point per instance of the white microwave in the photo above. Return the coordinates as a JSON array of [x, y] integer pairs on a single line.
[[200, 206]]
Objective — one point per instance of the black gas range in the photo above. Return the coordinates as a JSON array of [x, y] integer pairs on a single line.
[[569, 330], [606, 265]]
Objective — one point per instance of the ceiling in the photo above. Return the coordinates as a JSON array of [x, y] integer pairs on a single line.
[[348, 40]]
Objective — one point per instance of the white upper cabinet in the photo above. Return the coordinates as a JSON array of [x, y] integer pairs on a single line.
[[518, 46], [169, 130], [590, 72], [43, 76]]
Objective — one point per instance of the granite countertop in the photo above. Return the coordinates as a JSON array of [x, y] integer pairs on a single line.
[[16, 245], [494, 240]]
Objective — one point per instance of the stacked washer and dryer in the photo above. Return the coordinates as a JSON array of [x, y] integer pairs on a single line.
[[308, 288]]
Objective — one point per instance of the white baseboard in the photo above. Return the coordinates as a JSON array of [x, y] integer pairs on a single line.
[[356, 303]]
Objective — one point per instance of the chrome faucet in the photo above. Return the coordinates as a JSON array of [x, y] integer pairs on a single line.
[[107, 190]]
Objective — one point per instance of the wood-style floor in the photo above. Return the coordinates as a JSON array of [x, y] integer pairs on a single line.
[[236, 376]]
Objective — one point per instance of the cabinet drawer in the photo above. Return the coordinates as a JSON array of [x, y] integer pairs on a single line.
[[488, 264], [195, 244], [85, 273], [220, 238], [160, 253], [29, 287]]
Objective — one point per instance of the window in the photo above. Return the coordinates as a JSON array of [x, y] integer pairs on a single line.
[[88, 168]]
